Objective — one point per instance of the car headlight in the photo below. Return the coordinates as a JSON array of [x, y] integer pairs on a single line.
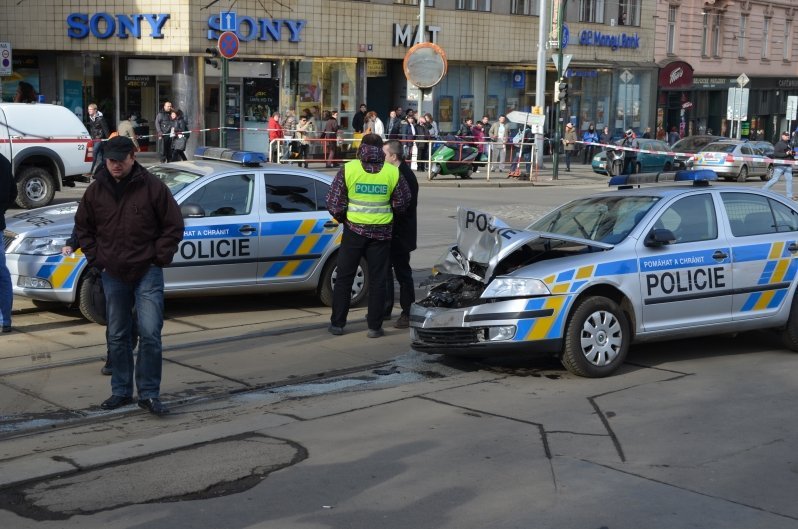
[[42, 245], [514, 287]]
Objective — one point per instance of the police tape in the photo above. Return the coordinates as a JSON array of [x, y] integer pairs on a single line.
[[690, 155]]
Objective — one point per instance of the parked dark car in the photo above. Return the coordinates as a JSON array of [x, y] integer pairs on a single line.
[[686, 147]]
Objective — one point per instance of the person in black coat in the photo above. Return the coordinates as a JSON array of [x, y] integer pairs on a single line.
[[8, 194], [405, 234]]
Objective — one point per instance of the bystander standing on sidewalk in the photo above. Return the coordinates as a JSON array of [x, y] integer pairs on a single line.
[[569, 141], [275, 136], [163, 126], [499, 133]]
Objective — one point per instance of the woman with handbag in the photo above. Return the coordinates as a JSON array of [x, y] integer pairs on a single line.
[[179, 136]]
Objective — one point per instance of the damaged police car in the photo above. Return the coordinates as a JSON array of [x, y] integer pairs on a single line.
[[627, 266]]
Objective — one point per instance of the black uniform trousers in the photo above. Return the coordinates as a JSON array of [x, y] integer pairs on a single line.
[[378, 255]]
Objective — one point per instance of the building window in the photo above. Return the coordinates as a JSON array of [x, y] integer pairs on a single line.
[[629, 12], [430, 3], [704, 34], [766, 38], [716, 35], [671, 43], [787, 40], [591, 11], [741, 44], [524, 7], [474, 5]]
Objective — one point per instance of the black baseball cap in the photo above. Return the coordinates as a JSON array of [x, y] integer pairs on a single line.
[[118, 148]]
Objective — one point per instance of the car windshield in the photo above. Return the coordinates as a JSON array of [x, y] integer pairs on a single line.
[[719, 147], [174, 178], [603, 219]]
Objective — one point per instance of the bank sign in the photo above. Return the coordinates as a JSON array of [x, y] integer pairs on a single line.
[[591, 37]]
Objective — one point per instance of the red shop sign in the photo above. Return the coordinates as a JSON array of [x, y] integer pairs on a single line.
[[677, 74]]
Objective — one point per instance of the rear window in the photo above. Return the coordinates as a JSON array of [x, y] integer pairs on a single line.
[[719, 147]]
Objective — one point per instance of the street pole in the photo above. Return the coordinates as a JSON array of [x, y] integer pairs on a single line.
[[540, 82], [558, 126], [223, 104], [422, 6]]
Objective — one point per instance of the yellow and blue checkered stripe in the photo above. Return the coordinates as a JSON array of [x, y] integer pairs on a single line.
[[564, 288], [308, 239], [60, 271], [780, 268]]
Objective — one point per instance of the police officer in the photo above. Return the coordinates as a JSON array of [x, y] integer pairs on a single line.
[[364, 196]]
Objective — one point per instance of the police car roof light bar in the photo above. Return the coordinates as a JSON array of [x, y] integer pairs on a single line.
[[700, 178], [247, 158], [641, 178]]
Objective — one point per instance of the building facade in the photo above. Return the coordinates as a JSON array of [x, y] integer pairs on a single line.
[[328, 54], [703, 46]]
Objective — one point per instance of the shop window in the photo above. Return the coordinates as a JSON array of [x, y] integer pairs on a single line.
[[629, 12], [474, 5], [704, 34], [591, 11], [741, 37], [524, 7], [671, 42]]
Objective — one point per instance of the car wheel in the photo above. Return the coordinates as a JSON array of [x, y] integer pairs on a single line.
[[667, 167], [88, 301], [743, 176], [767, 176], [596, 339], [35, 188], [789, 335], [327, 283]]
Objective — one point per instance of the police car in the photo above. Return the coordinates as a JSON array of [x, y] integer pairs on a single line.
[[597, 274], [249, 227]]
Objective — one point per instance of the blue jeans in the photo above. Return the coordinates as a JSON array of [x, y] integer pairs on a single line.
[[146, 295], [779, 170], [6, 294]]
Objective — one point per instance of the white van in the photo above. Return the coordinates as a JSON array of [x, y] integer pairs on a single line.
[[49, 148]]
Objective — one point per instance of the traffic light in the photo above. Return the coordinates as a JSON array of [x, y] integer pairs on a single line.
[[213, 57], [562, 86]]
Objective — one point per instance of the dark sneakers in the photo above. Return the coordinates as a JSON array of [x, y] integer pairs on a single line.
[[335, 330], [116, 401], [376, 333], [403, 322], [154, 406], [6, 328]]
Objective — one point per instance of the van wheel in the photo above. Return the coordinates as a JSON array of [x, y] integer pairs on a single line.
[[86, 300], [35, 188], [743, 176], [360, 286], [596, 339]]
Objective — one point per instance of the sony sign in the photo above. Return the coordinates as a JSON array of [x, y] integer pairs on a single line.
[[403, 35]]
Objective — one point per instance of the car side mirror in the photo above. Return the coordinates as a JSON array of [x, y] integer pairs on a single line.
[[659, 237], [192, 211]]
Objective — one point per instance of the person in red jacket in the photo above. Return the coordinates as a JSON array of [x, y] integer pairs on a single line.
[[275, 133]]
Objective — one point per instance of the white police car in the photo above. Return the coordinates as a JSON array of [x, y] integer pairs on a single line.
[[249, 227], [627, 266]]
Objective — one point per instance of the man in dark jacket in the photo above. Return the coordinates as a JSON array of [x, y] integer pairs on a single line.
[[163, 124], [98, 130], [783, 150], [8, 194], [403, 241], [360, 119], [129, 227]]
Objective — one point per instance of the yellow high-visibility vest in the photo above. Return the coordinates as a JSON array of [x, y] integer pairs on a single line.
[[370, 193]]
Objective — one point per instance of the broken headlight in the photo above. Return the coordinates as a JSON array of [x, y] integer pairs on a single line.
[[515, 287]]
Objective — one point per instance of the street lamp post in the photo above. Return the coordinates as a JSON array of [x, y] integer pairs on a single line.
[[557, 117]]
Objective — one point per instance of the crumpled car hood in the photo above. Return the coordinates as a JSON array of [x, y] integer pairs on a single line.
[[483, 241]]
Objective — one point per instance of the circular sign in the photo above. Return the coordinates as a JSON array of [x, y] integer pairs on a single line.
[[425, 64], [566, 35], [228, 44]]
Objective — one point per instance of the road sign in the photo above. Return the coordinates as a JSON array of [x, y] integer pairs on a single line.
[[228, 44], [792, 107], [227, 21], [742, 80], [737, 104], [627, 76], [566, 60], [5, 59]]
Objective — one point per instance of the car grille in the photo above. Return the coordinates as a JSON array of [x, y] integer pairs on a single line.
[[8, 237], [449, 335]]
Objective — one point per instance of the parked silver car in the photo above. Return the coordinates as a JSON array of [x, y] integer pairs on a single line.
[[734, 160], [249, 227], [605, 271]]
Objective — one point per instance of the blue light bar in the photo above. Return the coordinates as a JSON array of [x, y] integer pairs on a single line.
[[230, 155], [701, 175]]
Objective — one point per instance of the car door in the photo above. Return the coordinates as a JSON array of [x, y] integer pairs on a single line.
[[220, 242], [755, 160], [297, 231], [688, 282], [763, 233]]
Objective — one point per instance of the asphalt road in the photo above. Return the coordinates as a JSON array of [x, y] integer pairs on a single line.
[[278, 425]]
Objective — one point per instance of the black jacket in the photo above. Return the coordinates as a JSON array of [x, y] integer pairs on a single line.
[[782, 150], [98, 128], [405, 226], [8, 189], [126, 236], [358, 120], [164, 122]]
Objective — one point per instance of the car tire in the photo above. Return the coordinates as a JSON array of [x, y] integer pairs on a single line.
[[767, 176], [327, 283], [668, 167], [86, 300], [743, 175], [596, 338], [35, 188]]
